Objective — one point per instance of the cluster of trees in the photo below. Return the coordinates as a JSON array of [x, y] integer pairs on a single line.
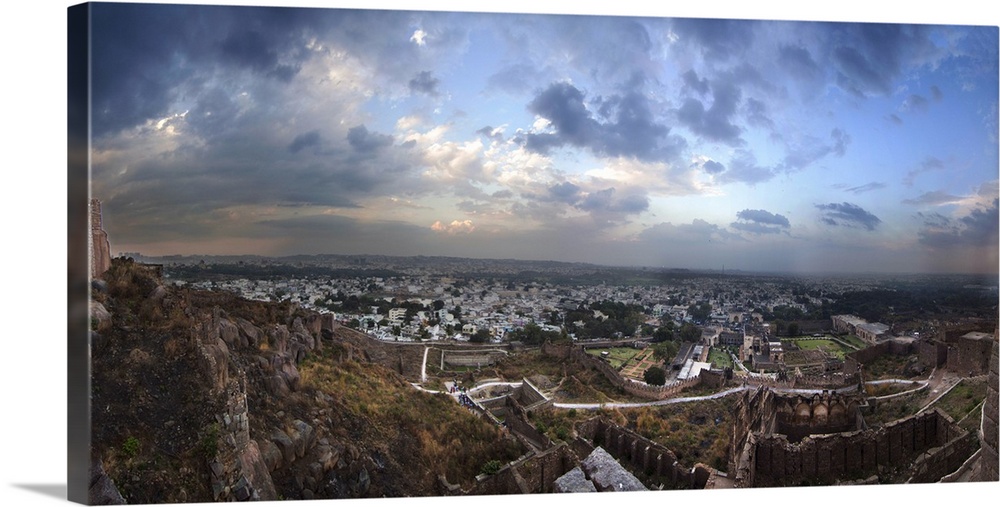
[[688, 332], [533, 334], [622, 319]]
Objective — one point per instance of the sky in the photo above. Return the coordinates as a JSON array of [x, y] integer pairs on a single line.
[[679, 142]]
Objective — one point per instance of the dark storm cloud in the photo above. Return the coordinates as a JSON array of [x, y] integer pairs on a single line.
[[877, 55], [629, 128], [714, 123], [606, 201], [846, 214], [133, 75], [798, 62], [363, 141], [935, 198], [867, 187], [214, 113], [148, 58], [692, 81], [565, 192], [250, 48], [713, 167], [979, 228], [763, 217], [142, 53], [606, 205], [717, 39], [758, 221], [424, 82], [302, 141]]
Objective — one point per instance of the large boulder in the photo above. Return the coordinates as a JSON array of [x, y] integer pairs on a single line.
[[259, 484], [251, 333], [99, 313], [230, 333], [285, 368], [271, 455], [285, 445], [278, 338], [157, 294], [303, 437], [607, 474]]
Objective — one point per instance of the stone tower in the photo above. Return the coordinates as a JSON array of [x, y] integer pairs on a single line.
[[100, 248]]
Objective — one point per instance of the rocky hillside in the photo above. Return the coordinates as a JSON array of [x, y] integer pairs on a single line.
[[202, 396]]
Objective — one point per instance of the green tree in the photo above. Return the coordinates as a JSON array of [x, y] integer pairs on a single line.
[[665, 351], [480, 336], [690, 332], [655, 376]]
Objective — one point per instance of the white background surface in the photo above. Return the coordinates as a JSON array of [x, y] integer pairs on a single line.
[[33, 280]]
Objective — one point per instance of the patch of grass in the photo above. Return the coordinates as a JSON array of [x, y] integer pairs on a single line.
[[131, 446], [963, 399], [720, 358], [695, 432], [617, 356], [829, 346]]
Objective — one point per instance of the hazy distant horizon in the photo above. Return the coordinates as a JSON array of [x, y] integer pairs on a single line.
[[761, 146], [697, 270]]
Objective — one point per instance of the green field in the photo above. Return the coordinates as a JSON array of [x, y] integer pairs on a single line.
[[720, 358], [828, 346], [617, 356]]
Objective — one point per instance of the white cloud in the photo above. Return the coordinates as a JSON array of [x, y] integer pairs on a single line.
[[418, 37], [455, 227]]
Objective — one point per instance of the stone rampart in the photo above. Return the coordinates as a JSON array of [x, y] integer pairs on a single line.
[[534, 472], [970, 356], [630, 386], [644, 457], [924, 446], [854, 360]]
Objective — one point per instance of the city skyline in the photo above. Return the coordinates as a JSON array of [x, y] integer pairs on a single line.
[[679, 143]]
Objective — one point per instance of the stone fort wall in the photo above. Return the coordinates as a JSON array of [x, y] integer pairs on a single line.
[[923, 447], [642, 456], [578, 354]]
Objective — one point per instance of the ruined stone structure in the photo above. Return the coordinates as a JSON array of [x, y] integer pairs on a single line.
[[100, 248], [920, 448], [642, 456]]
